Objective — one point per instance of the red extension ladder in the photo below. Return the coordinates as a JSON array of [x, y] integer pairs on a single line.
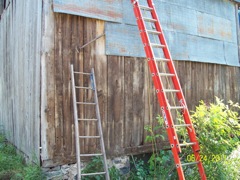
[[166, 83]]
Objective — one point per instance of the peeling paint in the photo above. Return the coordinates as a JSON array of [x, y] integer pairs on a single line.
[[108, 10]]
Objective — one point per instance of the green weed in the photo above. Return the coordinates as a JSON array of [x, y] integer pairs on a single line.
[[13, 166]]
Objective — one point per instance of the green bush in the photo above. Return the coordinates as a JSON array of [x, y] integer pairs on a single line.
[[218, 131], [217, 127]]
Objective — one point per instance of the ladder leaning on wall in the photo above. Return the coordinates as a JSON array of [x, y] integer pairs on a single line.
[[78, 138], [166, 82]]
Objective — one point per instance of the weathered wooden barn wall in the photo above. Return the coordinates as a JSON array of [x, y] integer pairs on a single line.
[[20, 41], [126, 95]]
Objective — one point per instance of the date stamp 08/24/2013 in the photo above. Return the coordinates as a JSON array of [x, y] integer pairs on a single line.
[[209, 157]]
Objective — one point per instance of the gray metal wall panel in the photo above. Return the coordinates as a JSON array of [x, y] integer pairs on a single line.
[[108, 10], [215, 27], [195, 31], [196, 22], [195, 48], [231, 53], [123, 40], [219, 8], [128, 14], [177, 18]]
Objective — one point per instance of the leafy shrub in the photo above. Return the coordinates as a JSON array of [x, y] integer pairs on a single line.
[[139, 171], [217, 127], [218, 130]]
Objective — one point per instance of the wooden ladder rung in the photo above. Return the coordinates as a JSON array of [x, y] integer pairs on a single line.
[[87, 119], [81, 73], [83, 137], [86, 103], [87, 155], [93, 174], [81, 87]]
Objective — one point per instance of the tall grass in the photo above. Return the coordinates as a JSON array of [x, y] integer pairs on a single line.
[[13, 166]]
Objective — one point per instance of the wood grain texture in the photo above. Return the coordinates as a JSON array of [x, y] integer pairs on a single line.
[[89, 56], [115, 103], [20, 75], [128, 102], [48, 86]]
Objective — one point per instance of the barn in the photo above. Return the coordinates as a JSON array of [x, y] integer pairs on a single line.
[[40, 39]]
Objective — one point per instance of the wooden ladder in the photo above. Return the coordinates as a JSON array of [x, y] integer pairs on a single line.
[[97, 120]]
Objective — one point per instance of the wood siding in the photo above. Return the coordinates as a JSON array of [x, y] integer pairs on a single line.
[[20, 41], [126, 96]]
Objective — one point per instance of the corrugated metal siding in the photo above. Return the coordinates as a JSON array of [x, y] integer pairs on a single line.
[[195, 22], [108, 10], [20, 39], [203, 31]]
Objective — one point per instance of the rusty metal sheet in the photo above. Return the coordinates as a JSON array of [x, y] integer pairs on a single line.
[[231, 54], [108, 10], [195, 30], [220, 8], [195, 48], [215, 27], [125, 41]]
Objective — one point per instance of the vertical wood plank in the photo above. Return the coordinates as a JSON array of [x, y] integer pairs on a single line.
[[115, 103], [77, 40], [89, 61], [128, 101], [138, 102], [59, 83], [67, 58], [148, 98], [48, 85], [79, 80], [100, 68]]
